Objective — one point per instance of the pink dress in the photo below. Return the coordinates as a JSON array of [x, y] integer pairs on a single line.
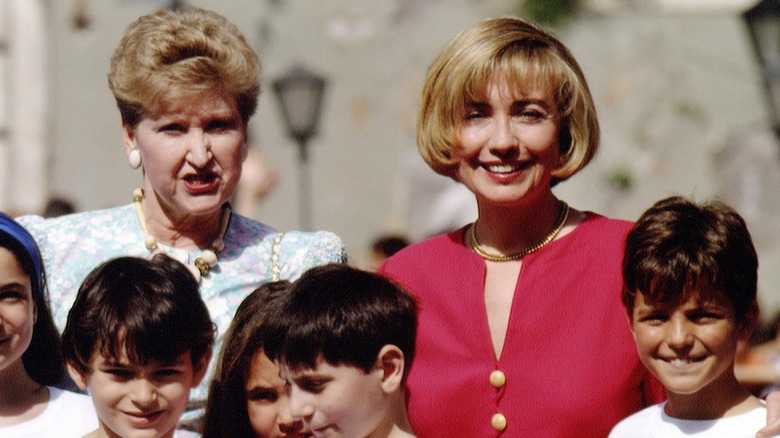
[[569, 365]]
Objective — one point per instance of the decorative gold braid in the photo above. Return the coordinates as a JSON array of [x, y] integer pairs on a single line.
[[474, 244]]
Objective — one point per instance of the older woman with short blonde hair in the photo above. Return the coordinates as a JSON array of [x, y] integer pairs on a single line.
[[186, 83]]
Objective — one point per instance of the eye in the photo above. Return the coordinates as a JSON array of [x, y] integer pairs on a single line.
[[529, 112], [315, 386], [220, 125], [262, 395], [167, 372], [119, 374], [703, 316], [654, 318], [476, 111], [13, 295], [173, 128]]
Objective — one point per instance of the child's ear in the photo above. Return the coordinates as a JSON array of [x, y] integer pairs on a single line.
[[750, 321], [200, 368], [630, 319], [391, 361], [75, 374]]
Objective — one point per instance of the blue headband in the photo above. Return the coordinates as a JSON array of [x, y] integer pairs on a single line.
[[12, 229]]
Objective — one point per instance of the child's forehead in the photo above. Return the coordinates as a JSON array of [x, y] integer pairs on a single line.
[[689, 298], [115, 353], [320, 368]]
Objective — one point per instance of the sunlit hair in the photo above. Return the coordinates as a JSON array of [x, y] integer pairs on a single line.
[[149, 309], [524, 56], [42, 359], [168, 57], [679, 250], [226, 408], [344, 316]]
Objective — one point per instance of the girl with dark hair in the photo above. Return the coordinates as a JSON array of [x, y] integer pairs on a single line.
[[30, 359]]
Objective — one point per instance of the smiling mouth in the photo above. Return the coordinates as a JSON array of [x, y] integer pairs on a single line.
[[682, 361], [505, 168], [145, 417]]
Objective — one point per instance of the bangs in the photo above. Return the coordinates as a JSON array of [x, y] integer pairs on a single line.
[[525, 66], [675, 280], [146, 337]]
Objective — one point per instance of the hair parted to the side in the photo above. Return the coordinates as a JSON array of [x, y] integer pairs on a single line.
[[42, 359], [522, 54], [226, 410], [151, 309], [168, 56], [679, 249], [344, 316]]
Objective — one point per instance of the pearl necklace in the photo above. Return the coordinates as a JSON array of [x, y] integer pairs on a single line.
[[474, 244], [207, 259]]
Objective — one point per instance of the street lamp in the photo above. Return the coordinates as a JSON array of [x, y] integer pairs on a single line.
[[763, 21], [299, 93]]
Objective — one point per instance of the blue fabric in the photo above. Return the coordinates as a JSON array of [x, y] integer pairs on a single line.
[[12, 229]]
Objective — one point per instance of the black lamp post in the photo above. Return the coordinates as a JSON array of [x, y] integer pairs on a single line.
[[299, 93], [763, 21]]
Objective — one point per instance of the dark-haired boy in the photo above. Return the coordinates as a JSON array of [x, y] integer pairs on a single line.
[[344, 339], [690, 273], [138, 337]]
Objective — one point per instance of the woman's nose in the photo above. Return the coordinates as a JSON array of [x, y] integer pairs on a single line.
[[198, 149], [502, 135]]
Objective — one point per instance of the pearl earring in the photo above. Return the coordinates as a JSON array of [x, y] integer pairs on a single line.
[[135, 158]]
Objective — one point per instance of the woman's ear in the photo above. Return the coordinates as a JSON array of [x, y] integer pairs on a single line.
[[75, 374], [391, 361], [128, 138]]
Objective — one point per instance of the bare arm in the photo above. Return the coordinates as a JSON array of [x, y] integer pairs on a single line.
[[772, 416]]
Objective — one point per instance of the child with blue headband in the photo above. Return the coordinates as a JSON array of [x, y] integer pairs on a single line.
[[30, 358]]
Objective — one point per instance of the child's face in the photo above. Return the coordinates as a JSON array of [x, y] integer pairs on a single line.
[[17, 310], [337, 401], [687, 346], [268, 401], [139, 401]]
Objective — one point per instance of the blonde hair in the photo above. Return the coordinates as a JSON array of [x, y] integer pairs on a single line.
[[523, 55], [188, 53]]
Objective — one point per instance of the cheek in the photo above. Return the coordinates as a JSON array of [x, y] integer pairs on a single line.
[[177, 393], [647, 340], [262, 418]]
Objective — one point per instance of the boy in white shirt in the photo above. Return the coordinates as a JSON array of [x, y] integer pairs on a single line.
[[690, 274], [138, 338]]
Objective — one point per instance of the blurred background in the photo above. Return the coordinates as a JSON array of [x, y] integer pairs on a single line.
[[685, 104]]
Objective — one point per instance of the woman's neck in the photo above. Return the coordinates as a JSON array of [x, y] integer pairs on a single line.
[[509, 229], [181, 231]]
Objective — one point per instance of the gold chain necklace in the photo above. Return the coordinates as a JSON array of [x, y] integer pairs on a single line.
[[207, 259], [474, 244]]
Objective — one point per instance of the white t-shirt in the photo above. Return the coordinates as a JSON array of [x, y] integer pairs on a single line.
[[67, 415], [652, 422]]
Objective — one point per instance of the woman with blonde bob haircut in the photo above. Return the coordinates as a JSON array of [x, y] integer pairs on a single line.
[[521, 329], [525, 56]]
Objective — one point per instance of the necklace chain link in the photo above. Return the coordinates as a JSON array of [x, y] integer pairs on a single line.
[[475, 246]]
